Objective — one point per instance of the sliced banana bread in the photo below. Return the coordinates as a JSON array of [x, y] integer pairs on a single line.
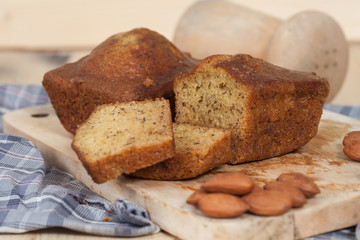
[[123, 137], [197, 150], [270, 110]]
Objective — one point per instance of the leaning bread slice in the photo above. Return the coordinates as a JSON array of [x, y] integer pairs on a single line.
[[197, 150], [123, 137]]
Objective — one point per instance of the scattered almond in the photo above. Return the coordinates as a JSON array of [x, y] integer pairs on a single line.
[[351, 137], [302, 182], [268, 202], [351, 144], [352, 151], [222, 205], [232, 182], [297, 196]]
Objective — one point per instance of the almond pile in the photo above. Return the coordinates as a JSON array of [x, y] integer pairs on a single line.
[[231, 194]]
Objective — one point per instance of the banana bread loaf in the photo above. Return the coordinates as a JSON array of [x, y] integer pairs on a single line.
[[270, 110], [131, 66], [197, 150], [123, 137]]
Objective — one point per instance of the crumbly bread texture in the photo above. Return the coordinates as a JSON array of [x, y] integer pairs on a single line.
[[270, 110], [197, 150], [131, 66], [123, 137]]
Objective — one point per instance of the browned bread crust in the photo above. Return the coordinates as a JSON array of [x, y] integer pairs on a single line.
[[131, 66], [270, 110], [197, 150], [124, 137]]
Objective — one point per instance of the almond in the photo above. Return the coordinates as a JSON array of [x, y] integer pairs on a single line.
[[351, 137], [297, 196], [268, 202], [302, 182], [222, 205], [232, 183], [352, 150], [351, 144]]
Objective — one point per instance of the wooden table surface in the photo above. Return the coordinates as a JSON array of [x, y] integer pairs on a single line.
[[38, 35]]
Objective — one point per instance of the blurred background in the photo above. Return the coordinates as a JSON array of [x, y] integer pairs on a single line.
[[39, 35]]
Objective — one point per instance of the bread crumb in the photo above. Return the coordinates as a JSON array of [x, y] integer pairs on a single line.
[[148, 82], [310, 171], [106, 219]]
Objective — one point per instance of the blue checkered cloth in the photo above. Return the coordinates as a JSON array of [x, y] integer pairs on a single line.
[[33, 196], [19, 96]]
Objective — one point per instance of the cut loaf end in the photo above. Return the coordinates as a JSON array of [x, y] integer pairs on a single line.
[[270, 110], [124, 137]]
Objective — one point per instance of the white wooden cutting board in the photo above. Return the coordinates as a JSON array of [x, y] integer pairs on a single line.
[[322, 159]]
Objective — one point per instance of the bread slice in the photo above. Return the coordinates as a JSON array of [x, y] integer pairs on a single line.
[[270, 110], [123, 137], [197, 150]]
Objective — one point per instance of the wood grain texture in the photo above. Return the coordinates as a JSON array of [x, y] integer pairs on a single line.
[[322, 159]]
